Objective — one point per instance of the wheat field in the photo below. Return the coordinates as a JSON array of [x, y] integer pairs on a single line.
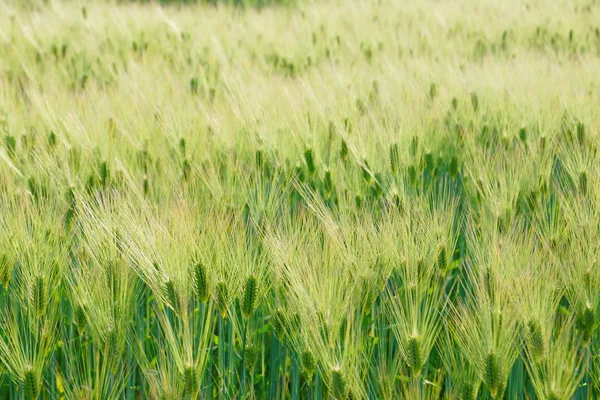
[[304, 199]]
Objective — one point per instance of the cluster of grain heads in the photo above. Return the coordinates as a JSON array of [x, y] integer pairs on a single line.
[[486, 331], [465, 382], [415, 298], [25, 350], [558, 374]]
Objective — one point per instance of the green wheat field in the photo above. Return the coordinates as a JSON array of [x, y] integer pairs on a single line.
[[303, 199]]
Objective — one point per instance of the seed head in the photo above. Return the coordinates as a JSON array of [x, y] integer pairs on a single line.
[[328, 181], [394, 157], [586, 322], [80, 318], [580, 133], [492, 374], [535, 341], [474, 101], [5, 271], [442, 260], [39, 296], [453, 167], [338, 384], [414, 355], [201, 282], [31, 382], [251, 355], [277, 322], [310, 161], [250, 296], [222, 294], [190, 380], [103, 173], [344, 151], [523, 134], [467, 391], [171, 295], [309, 365], [583, 182]]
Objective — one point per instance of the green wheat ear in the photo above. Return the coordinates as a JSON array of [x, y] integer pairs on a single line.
[[394, 157], [344, 151], [112, 339], [103, 172], [250, 296], [338, 384], [413, 146], [366, 172], [277, 322], [112, 277], [580, 133], [467, 391], [398, 203], [552, 396], [523, 134], [299, 173], [309, 159], [543, 143], [453, 167], [414, 355], [474, 101], [80, 318], [586, 322], [171, 294], [190, 380], [251, 355], [201, 282], [309, 365], [442, 260], [39, 296], [492, 374], [535, 341], [432, 91], [146, 186], [222, 298], [186, 169], [5, 271], [31, 383], [583, 182], [328, 181]]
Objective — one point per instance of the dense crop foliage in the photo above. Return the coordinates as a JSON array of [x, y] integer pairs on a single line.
[[349, 200]]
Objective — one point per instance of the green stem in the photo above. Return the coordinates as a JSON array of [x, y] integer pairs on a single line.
[[243, 389]]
